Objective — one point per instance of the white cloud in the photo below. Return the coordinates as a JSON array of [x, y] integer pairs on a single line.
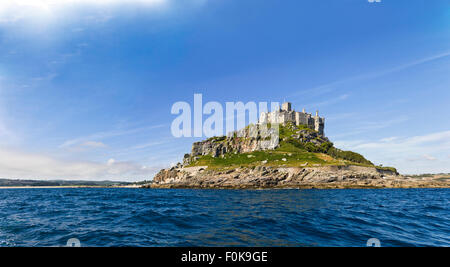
[[329, 101], [440, 141], [15, 10], [108, 134], [93, 144], [331, 86], [111, 162], [86, 146], [429, 157], [17, 164], [417, 154], [6, 134], [47, 5], [389, 139], [147, 145], [370, 126]]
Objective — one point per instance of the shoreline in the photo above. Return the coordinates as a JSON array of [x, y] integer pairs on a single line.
[[68, 186], [298, 187]]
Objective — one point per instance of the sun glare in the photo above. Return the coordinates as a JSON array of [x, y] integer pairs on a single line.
[[43, 11], [47, 5]]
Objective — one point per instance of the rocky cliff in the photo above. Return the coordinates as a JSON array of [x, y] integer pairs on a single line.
[[291, 177]]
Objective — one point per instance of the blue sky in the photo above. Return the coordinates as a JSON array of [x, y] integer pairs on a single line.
[[86, 87]]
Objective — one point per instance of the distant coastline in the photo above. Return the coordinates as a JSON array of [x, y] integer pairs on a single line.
[[22, 183], [62, 187]]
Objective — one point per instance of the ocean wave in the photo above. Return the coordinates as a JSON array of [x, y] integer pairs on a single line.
[[132, 217]]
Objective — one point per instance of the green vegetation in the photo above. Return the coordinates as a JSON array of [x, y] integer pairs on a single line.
[[286, 135], [288, 130], [267, 158], [217, 138], [348, 155], [291, 152], [392, 169]]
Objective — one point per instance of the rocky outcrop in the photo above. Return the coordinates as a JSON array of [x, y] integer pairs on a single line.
[[248, 140], [290, 177], [308, 136]]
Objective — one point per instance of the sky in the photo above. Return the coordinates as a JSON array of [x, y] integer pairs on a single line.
[[86, 87]]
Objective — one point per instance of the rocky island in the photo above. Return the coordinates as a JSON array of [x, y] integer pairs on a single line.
[[299, 157]]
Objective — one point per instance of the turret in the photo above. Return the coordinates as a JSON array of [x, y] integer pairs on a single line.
[[286, 106]]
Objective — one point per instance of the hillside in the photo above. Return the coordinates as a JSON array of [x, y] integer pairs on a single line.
[[299, 146]]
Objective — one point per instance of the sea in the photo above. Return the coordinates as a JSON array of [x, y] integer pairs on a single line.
[[126, 217]]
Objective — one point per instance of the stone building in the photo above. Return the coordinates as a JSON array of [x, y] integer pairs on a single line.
[[287, 114]]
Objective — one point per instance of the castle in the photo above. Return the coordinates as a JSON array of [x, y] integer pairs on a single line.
[[286, 114], [220, 146]]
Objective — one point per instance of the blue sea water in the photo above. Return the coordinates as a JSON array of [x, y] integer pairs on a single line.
[[149, 217]]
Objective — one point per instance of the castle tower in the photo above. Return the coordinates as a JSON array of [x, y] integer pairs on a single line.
[[286, 114], [319, 123], [286, 106]]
